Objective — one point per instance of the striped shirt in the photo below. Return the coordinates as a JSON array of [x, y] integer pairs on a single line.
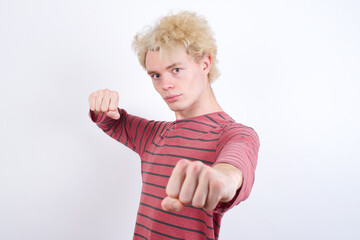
[[210, 138]]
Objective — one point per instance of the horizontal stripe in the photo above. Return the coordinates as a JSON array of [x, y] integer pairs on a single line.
[[162, 234], [189, 206], [214, 132], [181, 121], [155, 185], [148, 194], [194, 130], [203, 210], [155, 174], [248, 130], [179, 156], [243, 140], [231, 160], [136, 234], [177, 215], [230, 149], [192, 139], [158, 164], [185, 147], [175, 226]]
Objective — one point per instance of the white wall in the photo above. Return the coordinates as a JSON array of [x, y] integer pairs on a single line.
[[290, 69]]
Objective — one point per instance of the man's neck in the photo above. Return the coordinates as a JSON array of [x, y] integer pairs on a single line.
[[206, 104]]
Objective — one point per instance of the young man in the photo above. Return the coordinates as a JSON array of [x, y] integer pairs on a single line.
[[202, 164]]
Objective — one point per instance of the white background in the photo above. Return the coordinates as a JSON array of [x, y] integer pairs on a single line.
[[290, 70]]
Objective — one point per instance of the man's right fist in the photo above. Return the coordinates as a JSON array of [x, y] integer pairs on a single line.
[[105, 101]]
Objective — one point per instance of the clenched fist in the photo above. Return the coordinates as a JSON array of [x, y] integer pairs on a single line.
[[105, 101], [201, 186]]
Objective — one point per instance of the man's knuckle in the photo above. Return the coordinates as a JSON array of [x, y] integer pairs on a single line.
[[93, 94], [182, 163], [198, 164], [206, 173], [98, 94], [198, 201], [185, 198], [170, 192], [197, 204], [195, 167]]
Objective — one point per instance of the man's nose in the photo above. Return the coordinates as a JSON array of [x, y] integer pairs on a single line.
[[167, 82]]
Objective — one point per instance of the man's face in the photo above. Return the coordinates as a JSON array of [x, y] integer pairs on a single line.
[[179, 79]]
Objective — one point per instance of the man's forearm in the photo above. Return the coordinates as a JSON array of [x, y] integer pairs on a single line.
[[232, 172]]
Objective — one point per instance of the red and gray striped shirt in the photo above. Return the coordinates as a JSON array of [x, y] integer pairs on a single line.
[[210, 138]]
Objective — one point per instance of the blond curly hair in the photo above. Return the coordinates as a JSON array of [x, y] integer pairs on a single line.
[[183, 29]]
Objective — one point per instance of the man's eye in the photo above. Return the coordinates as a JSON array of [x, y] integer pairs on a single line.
[[176, 70], [156, 76]]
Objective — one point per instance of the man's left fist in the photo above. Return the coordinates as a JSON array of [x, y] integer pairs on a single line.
[[201, 186]]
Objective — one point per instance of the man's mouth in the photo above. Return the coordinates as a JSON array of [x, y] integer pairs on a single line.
[[172, 98]]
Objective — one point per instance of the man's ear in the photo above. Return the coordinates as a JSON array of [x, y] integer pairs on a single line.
[[206, 64]]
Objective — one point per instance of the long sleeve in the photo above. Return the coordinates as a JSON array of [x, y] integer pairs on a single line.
[[128, 129]]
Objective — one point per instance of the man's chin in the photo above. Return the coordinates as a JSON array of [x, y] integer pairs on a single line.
[[174, 107]]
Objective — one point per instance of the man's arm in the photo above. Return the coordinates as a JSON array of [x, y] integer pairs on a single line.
[[116, 122], [222, 186]]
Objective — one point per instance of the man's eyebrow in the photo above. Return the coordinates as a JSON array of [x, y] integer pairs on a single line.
[[151, 72], [173, 65], [168, 67]]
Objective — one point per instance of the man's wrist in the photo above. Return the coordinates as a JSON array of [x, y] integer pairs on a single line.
[[233, 174]]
